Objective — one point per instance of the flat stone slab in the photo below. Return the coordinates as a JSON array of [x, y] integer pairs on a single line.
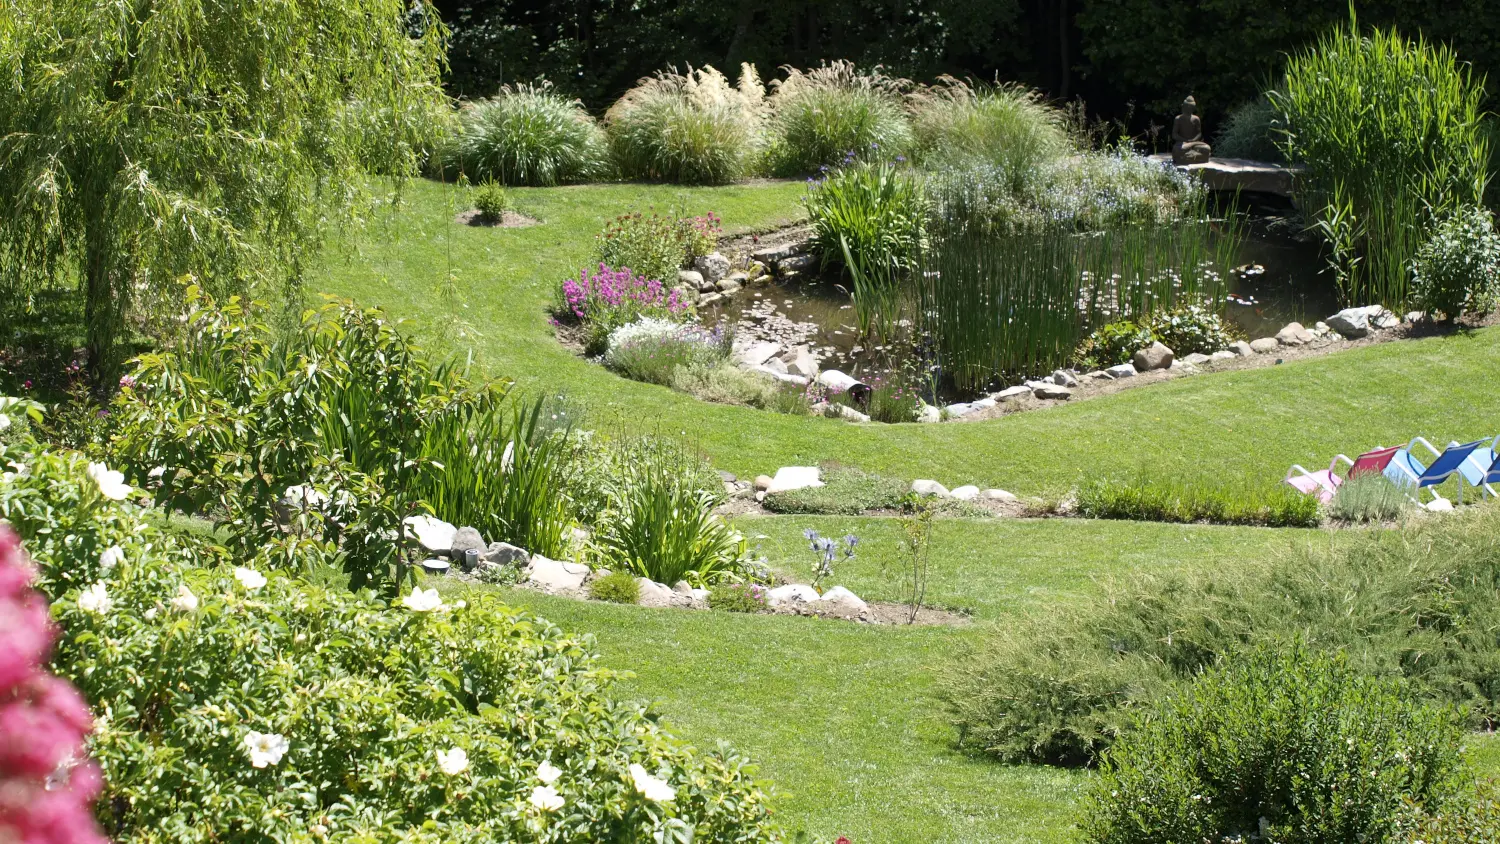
[[555, 574], [1013, 392], [792, 593], [789, 478], [1232, 174], [968, 492]]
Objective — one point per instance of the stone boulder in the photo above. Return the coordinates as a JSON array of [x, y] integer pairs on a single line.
[[658, 595], [1353, 323], [927, 487], [1242, 349], [1225, 355], [1124, 370], [1064, 378], [729, 285], [968, 492], [1154, 356], [792, 593], [789, 478], [797, 264], [433, 534], [756, 354], [839, 602], [466, 539], [769, 255], [555, 575], [999, 495], [695, 280], [712, 267], [801, 361], [983, 404], [1015, 392], [1196, 359], [958, 409], [1294, 335], [762, 483], [930, 414], [1052, 391], [504, 554], [1264, 345]]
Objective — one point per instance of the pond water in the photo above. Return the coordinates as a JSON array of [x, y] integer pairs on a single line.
[[1278, 279]]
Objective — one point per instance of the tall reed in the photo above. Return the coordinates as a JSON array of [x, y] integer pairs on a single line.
[[1004, 301], [1390, 131]]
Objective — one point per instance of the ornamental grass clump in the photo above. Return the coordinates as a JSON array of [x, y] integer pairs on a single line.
[[1391, 131], [238, 703], [689, 128], [666, 530], [1007, 126], [607, 299], [1282, 744], [525, 135], [820, 116]]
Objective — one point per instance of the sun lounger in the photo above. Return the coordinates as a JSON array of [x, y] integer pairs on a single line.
[[1456, 459], [1325, 482]]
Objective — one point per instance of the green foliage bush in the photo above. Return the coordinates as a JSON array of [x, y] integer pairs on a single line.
[[348, 420], [1475, 820], [688, 128], [723, 382], [525, 135], [1277, 745], [1249, 131], [491, 202], [835, 112], [1391, 133], [656, 246], [1112, 344], [1009, 127], [601, 470], [618, 587], [1415, 603], [737, 597], [1458, 269], [1158, 499], [1189, 329], [184, 659]]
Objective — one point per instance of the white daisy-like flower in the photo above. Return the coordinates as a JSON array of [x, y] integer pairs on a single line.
[[453, 761], [95, 599], [650, 787], [265, 748], [185, 601], [548, 773], [112, 556], [249, 578], [546, 798], [422, 600], [111, 483]]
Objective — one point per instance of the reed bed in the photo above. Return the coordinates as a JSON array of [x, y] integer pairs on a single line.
[[1391, 132]]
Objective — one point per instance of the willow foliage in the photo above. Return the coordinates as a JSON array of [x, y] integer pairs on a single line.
[[140, 141]]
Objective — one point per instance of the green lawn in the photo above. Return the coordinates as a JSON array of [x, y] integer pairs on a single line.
[[1245, 424], [843, 717]]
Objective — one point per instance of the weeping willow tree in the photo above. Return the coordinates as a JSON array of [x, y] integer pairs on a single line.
[[141, 140]]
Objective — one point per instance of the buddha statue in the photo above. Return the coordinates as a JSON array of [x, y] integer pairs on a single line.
[[1187, 136]]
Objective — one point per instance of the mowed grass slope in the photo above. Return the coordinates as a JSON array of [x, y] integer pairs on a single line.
[[1249, 424], [845, 718]]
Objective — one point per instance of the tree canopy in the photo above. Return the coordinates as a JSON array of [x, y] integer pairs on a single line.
[[141, 140]]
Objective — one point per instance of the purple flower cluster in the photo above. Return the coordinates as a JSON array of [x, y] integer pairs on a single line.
[[606, 294], [46, 782]]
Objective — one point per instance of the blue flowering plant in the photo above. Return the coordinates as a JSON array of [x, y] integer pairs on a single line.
[[827, 551]]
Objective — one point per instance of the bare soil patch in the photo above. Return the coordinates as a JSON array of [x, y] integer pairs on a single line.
[[508, 220]]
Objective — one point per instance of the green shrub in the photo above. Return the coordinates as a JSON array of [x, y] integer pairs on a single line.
[[1458, 269], [1009, 127], [692, 128], [491, 202], [1112, 344], [618, 587], [737, 597], [868, 218], [1415, 603], [1390, 131], [667, 531], [347, 417], [1368, 498], [601, 471], [1250, 132], [1277, 745], [846, 491], [1189, 329], [833, 114], [656, 246], [1475, 820], [652, 350], [184, 660], [525, 135], [1157, 499]]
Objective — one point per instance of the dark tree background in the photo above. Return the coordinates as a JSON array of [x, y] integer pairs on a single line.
[[1123, 57]]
